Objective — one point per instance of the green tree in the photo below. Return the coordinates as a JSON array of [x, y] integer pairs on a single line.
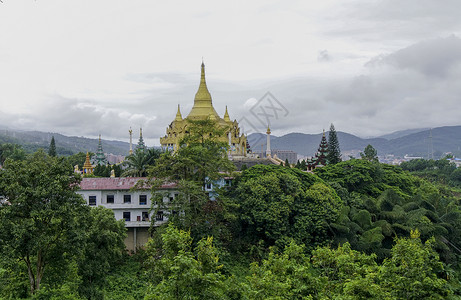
[[12, 151], [52, 148], [348, 273], [38, 221], [411, 271], [276, 204], [103, 249], [288, 275], [199, 163], [369, 153], [334, 152], [138, 163], [180, 272]]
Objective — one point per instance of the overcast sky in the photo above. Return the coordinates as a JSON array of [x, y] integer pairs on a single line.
[[98, 67]]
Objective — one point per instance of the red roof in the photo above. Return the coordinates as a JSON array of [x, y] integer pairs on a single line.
[[114, 183]]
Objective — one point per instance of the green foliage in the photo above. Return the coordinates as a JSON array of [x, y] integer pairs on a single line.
[[277, 203], [411, 271], [103, 250], [288, 275], [138, 163], [52, 148], [369, 153], [11, 151], [182, 273], [50, 241], [39, 221], [334, 152], [438, 171], [128, 281]]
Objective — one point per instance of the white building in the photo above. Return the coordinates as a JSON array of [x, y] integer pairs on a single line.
[[131, 205]]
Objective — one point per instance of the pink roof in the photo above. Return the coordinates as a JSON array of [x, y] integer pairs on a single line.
[[114, 183]]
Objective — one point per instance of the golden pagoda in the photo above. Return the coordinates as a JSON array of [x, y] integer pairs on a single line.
[[203, 109], [87, 166]]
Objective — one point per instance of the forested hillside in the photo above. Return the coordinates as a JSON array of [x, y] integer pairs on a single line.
[[357, 229]]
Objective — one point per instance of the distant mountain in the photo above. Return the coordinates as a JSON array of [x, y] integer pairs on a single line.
[[401, 133], [444, 139], [33, 140]]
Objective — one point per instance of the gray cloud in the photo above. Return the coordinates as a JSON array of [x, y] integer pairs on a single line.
[[436, 57], [323, 56], [395, 19]]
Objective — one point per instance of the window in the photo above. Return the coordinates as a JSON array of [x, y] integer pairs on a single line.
[[110, 199], [208, 186], [142, 200], [145, 216], [159, 216], [92, 200], [127, 216], [126, 198]]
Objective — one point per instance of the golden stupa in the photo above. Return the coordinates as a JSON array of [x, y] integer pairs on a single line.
[[203, 109]]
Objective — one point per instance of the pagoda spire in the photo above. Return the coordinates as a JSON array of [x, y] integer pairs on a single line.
[[141, 146], [226, 116], [178, 115], [203, 94], [100, 158], [203, 106]]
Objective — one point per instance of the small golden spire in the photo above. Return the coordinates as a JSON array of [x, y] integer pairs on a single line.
[[226, 116], [178, 115], [268, 130], [87, 166]]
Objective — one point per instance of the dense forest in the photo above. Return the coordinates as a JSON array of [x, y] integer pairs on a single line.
[[357, 229]]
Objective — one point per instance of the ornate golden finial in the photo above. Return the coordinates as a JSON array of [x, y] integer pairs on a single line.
[[140, 132], [203, 94], [268, 130], [226, 116], [178, 115], [324, 132]]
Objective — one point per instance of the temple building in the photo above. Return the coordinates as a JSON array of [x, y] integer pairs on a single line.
[[203, 109]]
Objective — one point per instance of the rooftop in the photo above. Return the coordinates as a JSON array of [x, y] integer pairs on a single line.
[[114, 183]]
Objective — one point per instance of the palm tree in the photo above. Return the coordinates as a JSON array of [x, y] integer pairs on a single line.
[[138, 162]]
